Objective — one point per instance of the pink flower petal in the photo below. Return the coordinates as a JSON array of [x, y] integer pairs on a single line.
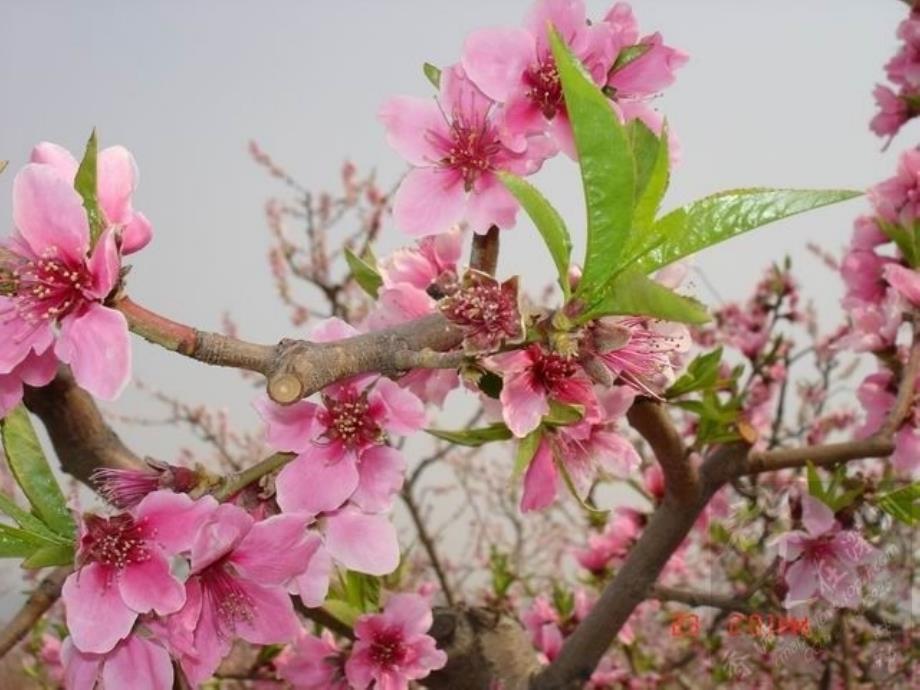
[[38, 370], [541, 482], [405, 412], [816, 516], [496, 59], [490, 204], [331, 330], [139, 664], [81, 670], [289, 427], [410, 123], [319, 480], [313, 584], [382, 470], [174, 518], [523, 403], [410, 612], [802, 581], [136, 234], [116, 174], [96, 345], [274, 621], [149, 586], [104, 266], [428, 202], [904, 280], [59, 158], [224, 530], [49, 213], [10, 393], [274, 550], [96, 615], [365, 543]]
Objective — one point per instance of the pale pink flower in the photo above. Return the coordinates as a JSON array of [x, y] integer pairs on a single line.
[[612, 543], [643, 352], [237, 587], [359, 541], [50, 656], [455, 149], [516, 68], [535, 376], [393, 648], [116, 180], [34, 370], [433, 260], [905, 280], [57, 282], [124, 568], [313, 663], [341, 442], [137, 662], [542, 622], [823, 559]]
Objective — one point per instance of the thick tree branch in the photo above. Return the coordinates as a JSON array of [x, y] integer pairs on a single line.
[[694, 599], [651, 420]]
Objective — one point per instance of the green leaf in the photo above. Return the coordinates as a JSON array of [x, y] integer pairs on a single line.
[[720, 217], [702, 373], [473, 437], [525, 452], [561, 414], [85, 184], [815, 487], [652, 178], [607, 168], [29, 522], [633, 293], [902, 504], [433, 74], [364, 273], [901, 236], [549, 223], [342, 611], [17, 543], [31, 471], [362, 592], [52, 554], [630, 54]]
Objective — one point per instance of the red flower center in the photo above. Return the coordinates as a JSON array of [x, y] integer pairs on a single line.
[[349, 421], [470, 150], [48, 288], [224, 595], [818, 549], [118, 541], [387, 648], [552, 368], [544, 87]]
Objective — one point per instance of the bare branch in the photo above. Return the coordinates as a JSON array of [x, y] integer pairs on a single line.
[[651, 420], [38, 603], [427, 544]]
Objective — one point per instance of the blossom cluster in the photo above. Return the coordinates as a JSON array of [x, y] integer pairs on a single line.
[[501, 108], [902, 103]]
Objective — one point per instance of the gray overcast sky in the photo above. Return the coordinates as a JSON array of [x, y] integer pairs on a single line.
[[775, 93]]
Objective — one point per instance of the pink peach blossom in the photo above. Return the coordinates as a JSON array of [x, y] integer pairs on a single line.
[[124, 568], [455, 149], [393, 648], [897, 199], [59, 280], [892, 113], [116, 180], [34, 370], [313, 663], [137, 662], [906, 281]]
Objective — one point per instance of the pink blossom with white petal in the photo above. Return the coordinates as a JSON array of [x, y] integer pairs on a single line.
[[124, 568], [455, 148], [393, 648], [59, 286]]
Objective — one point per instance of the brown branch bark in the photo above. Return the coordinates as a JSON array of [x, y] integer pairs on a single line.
[[693, 599], [650, 418], [40, 600], [428, 544]]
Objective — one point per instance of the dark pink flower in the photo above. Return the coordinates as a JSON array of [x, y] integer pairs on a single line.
[[897, 199], [124, 568], [534, 376], [487, 311], [126, 488], [58, 288], [456, 150], [237, 587], [877, 395], [313, 663], [137, 662], [393, 648], [893, 112]]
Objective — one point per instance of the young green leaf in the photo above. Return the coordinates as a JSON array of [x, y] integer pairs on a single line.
[[549, 223], [473, 437], [17, 543], [633, 293], [902, 504], [85, 184], [652, 178], [720, 217], [433, 74], [342, 611], [366, 276], [607, 168], [29, 522], [630, 54], [51, 554], [526, 451], [30, 469], [702, 373]]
